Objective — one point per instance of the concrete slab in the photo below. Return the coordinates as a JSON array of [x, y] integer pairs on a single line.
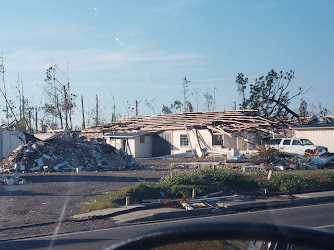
[[104, 212], [140, 215], [315, 195], [239, 205]]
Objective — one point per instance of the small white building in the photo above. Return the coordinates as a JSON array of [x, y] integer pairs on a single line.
[[136, 144], [319, 134], [185, 140], [172, 142]]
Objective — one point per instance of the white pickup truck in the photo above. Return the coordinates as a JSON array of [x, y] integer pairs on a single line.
[[296, 146]]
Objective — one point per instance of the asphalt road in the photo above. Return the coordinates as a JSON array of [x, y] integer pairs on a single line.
[[315, 216]]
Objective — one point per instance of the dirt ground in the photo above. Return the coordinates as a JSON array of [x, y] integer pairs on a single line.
[[33, 209], [50, 197]]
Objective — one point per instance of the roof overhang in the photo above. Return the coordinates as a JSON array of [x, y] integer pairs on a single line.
[[125, 135]]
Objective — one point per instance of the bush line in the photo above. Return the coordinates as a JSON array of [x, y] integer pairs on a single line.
[[206, 181]]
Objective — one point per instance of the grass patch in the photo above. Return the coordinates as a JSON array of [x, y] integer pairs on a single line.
[[178, 185], [301, 181]]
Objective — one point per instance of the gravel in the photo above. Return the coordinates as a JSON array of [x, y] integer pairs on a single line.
[[35, 208]]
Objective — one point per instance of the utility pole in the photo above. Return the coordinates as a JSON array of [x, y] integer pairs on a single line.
[[66, 104], [137, 102], [59, 112], [214, 98], [185, 91], [2, 72], [69, 99], [88, 115], [97, 112], [36, 121], [113, 116], [30, 129], [23, 106], [83, 113], [234, 105]]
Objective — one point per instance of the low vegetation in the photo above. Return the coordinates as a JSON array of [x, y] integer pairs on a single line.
[[207, 181], [267, 155]]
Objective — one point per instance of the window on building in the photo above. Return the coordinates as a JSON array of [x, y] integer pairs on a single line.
[[142, 139], [216, 139], [184, 140]]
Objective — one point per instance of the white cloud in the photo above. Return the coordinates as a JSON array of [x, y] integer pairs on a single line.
[[88, 59]]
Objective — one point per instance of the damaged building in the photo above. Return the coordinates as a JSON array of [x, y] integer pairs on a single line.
[[318, 130], [10, 139], [176, 133]]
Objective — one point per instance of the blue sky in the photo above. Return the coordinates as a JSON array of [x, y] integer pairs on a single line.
[[142, 49]]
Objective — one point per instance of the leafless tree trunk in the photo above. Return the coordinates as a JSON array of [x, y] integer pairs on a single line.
[[97, 122], [83, 113], [59, 112], [36, 120], [4, 92]]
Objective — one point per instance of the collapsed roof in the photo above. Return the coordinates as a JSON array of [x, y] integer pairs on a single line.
[[219, 122]]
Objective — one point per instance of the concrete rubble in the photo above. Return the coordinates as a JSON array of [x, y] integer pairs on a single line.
[[66, 152], [12, 180], [306, 162]]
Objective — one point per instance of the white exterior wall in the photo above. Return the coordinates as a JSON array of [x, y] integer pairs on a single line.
[[134, 146], [117, 143], [228, 142], [175, 140], [11, 140], [143, 149], [131, 147], [319, 136]]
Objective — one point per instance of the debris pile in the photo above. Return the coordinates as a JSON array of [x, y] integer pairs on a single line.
[[11, 180], [64, 152], [306, 162]]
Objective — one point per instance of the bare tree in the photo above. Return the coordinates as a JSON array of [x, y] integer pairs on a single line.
[[113, 116], [83, 113], [185, 91], [150, 104], [214, 105], [4, 91], [208, 101], [96, 119], [242, 83], [198, 99], [61, 102]]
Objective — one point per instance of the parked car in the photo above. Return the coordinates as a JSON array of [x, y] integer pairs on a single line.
[[296, 146]]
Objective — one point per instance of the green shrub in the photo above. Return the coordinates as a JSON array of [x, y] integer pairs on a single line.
[[294, 182], [207, 181], [267, 155]]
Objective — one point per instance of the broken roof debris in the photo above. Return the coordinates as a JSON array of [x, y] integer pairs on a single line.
[[63, 152], [219, 122]]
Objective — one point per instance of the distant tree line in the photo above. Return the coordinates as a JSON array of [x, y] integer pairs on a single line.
[[268, 94]]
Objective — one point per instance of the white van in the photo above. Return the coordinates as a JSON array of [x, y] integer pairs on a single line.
[[296, 145]]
